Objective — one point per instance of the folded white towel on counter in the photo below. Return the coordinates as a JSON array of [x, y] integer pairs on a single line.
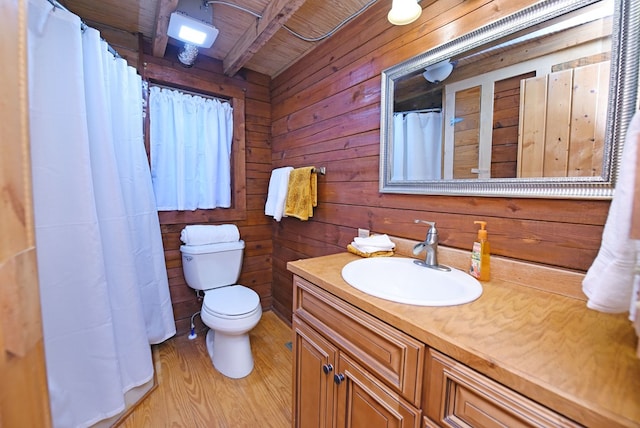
[[373, 243], [609, 281], [277, 194], [203, 234]]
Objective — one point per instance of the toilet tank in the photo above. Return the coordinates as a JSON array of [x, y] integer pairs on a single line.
[[212, 265]]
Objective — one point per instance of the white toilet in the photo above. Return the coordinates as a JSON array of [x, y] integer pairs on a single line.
[[229, 310]]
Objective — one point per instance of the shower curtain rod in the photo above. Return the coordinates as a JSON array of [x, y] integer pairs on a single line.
[[83, 25], [196, 94]]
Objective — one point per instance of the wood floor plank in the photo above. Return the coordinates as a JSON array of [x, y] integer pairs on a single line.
[[191, 393]]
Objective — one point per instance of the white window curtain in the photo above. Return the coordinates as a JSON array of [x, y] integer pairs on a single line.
[[190, 140], [417, 146], [103, 282]]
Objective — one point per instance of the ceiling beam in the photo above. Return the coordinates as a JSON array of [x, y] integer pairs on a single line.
[[274, 17], [160, 39]]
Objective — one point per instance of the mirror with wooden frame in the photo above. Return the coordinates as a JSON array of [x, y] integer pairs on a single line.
[[534, 105]]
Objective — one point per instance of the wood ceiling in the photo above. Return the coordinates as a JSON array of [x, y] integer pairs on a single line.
[[260, 44]]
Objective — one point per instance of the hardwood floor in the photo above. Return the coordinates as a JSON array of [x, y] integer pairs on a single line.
[[191, 393]]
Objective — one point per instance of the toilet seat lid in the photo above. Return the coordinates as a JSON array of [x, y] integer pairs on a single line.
[[231, 300]]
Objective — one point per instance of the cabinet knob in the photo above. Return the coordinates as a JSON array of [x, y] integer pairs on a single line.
[[338, 378], [327, 368]]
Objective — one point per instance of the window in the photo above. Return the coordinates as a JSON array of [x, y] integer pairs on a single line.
[[165, 75], [190, 146]]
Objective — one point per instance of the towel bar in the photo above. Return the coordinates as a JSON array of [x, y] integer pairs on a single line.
[[320, 170]]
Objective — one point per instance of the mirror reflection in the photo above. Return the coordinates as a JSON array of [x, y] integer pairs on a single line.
[[531, 105]]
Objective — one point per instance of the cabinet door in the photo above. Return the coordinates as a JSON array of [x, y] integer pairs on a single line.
[[392, 356], [313, 388], [365, 402]]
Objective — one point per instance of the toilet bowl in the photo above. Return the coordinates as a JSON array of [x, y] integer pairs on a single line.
[[230, 313], [229, 310]]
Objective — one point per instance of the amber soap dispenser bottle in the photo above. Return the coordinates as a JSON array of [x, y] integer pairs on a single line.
[[480, 254]]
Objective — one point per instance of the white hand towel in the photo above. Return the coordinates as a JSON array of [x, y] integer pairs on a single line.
[[202, 234], [373, 243], [277, 195], [634, 307], [609, 281]]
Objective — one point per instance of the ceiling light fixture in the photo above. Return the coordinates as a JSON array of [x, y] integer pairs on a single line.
[[436, 73], [190, 30], [404, 12], [191, 23]]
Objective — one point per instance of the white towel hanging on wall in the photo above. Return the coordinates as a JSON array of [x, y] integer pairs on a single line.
[[609, 281], [277, 194]]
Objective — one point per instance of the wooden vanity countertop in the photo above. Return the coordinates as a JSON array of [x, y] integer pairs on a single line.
[[547, 346]]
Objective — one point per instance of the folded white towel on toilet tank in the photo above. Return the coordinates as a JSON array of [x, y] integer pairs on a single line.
[[202, 234]]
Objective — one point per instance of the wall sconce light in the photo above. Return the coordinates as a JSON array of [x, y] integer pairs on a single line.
[[404, 12], [436, 73]]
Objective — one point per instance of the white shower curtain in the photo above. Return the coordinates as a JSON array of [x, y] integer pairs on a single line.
[[103, 283], [190, 140], [417, 146]]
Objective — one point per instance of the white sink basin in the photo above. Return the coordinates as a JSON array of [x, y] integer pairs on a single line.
[[401, 280]]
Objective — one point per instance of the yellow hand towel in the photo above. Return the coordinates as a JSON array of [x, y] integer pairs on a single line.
[[302, 194]]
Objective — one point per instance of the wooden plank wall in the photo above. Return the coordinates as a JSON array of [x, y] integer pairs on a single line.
[[506, 114], [24, 396], [564, 136], [326, 112], [466, 132], [254, 226]]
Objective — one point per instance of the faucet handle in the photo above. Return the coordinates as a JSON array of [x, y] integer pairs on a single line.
[[432, 233]]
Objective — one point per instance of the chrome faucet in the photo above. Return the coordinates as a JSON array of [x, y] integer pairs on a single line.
[[430, 245]]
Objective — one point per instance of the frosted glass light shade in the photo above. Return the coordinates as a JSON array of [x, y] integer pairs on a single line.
[[436, 73], [404, 12], [188, 54]]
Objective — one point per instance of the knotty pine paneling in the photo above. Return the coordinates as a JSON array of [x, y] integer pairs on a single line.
[[326, 112], [255, 228]]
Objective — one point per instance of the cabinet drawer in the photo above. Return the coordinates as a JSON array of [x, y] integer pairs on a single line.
[[396, 358], [457, 396]]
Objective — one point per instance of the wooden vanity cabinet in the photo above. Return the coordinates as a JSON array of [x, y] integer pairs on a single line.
[[351, 369], [517, 357], [354, 370]]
